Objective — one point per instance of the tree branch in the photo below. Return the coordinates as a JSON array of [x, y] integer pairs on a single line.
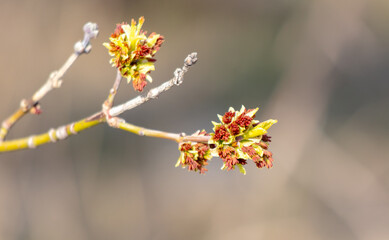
[[54, 80], [153, 93], [62, 132], [177, 137]]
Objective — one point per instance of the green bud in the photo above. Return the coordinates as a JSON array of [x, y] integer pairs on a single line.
[[254, 132], [267, 124], [241, 169]]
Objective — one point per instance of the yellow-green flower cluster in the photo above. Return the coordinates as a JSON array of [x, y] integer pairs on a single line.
[[195, 156], [133, 52], [239, 137]]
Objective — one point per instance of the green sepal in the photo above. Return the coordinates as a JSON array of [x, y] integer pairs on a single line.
[[179, 159], [252, 112], [224, 167], [255, 132], [231, 109], [267, 124], [145, 67], [241, 169], [220, 117], [152, 40], [215, 124], [258, 149]]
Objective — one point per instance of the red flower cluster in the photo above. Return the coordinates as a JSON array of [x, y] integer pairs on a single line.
[[265, 160], [230, 157], [133, 52], [221, 134], [239, 137], [235, 127], [118, 30], [195, 156], [227, 118], [243, 120]]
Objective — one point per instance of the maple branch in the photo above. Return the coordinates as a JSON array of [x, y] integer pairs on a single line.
[[190, 60], [177, 137], [54, 81], [108, 114]]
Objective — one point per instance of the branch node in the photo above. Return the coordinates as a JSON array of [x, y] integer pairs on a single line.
[[30, 142], [178, 76], [52, 135], [72, 130], [54, 80], [61, 133], [5, 125], [190, 59], [114, 122], [153, 93], [25, 105], [79, 47]]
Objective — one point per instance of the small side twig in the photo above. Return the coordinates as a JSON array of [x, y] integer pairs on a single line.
[[177, 137], [54, 80], [190, 60], [113, 90]]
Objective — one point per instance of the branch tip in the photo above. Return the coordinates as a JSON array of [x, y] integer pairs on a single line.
[[91, 30], [190, 59]]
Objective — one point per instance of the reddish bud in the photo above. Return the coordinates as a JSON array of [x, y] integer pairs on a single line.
[[228, 155], [243, 120], [118, 30], [221, 133], [234, 128], [227, 118], [251, 152], [201, 149], [140, 82], [263, 145], [266, 138], [186, 147], [36, 109], [158, 44]]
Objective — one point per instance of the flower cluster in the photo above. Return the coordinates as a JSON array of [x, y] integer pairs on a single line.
[[133, 52], [238, 137], [195, 156]]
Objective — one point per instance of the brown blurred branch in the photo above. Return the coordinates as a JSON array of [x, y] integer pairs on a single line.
[[54, 81]]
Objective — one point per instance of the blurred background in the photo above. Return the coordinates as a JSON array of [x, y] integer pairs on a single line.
[[320, 67]]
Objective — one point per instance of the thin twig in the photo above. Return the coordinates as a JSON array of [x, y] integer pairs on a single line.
[[53, 135], [113, 91], [153, 93], [65, 131], [54, 80], [177, 137]]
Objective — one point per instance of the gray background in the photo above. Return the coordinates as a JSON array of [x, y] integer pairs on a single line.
[[319, 67]]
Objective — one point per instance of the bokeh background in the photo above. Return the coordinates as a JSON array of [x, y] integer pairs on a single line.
[[320, 67]]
